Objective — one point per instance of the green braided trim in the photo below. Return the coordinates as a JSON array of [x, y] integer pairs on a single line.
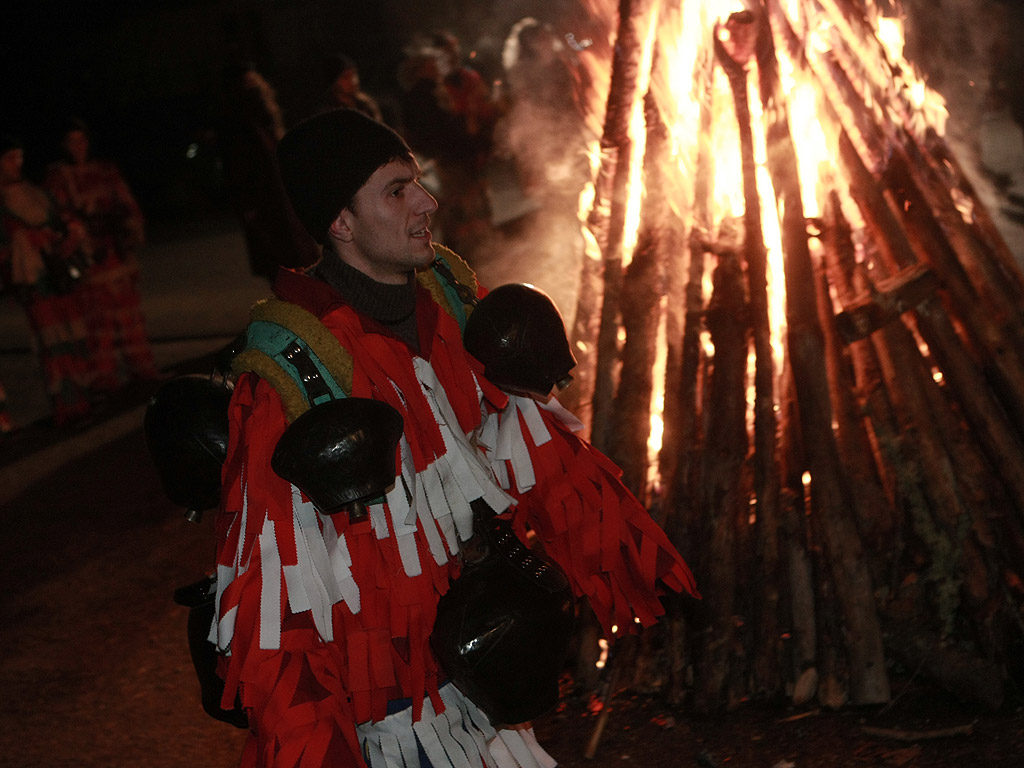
[[308, 327]]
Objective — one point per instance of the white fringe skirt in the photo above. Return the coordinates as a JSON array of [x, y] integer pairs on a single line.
[[460, 737]]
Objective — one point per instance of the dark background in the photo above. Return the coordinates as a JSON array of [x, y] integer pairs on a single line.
[[146, 74]]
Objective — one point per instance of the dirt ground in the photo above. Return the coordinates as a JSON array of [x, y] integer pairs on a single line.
[[95, 670], [922, 729]]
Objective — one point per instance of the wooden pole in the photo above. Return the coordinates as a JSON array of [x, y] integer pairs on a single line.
[[800, 597], [597, 306], [682, 438], [623, 97], [973, 391], [854, 589], [627, 440], [723, 497]]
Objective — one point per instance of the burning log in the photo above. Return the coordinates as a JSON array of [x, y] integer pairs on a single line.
[[744, 36], [868, 680], [926, 227], [723, 501], [995, 434], [626, 441], [980, 253], [598, 340], [1005, 269], [682, 434]]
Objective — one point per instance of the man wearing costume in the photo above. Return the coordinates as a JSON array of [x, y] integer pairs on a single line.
[[324, 620]]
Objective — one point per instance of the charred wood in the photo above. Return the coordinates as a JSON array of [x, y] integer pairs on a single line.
[[723, 498]]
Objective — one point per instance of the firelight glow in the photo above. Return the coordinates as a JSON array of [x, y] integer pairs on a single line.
[[676, 47]]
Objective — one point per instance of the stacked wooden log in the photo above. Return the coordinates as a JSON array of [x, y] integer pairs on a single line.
[[860, 509]]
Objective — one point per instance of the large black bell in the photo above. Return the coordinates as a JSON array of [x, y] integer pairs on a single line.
[[186, 431], [517, 332], [341, 452], [502, 631]]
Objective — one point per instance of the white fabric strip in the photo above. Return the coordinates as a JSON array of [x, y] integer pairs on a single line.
[[270, 596], [534, 421], [223, 628], [440, 510], [460, 737], [460, 450], [314, 564], [297, 597], [341, 563], [405, 534], [511, 446], [565, 416], [379, 520], [428, 525]]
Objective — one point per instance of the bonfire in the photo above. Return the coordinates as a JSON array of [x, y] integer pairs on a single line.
[[800, 335]]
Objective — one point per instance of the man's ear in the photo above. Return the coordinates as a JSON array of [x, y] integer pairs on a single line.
[[340, 228]]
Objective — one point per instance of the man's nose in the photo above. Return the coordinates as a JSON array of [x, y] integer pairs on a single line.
[[429, 203]]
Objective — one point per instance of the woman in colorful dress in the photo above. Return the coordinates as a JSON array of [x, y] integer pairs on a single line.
[[42, 254], [97, 194]]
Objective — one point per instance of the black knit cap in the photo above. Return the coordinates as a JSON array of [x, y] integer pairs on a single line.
[[326, 159]]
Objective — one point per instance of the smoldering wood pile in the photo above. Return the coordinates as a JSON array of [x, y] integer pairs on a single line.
[[857, 511]]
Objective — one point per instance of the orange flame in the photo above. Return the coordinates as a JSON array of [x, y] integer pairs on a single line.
[[680, 34]]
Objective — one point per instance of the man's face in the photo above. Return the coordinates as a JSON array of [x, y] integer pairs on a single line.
[[385, 232]]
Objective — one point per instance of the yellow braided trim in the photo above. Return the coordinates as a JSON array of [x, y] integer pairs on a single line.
[[255, 361], [308, 327], [429, 279]]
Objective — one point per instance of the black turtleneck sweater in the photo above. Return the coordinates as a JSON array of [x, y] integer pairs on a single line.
[[393, 306]]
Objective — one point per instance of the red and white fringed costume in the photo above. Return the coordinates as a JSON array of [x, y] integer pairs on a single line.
[[324, 622], [97, 193], [31, 228]]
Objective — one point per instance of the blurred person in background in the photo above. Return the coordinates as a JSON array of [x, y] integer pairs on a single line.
[[543, 101], [43, 256], [468, 95], [344, 88], [250, 127], [448, 119], [98, 195]]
